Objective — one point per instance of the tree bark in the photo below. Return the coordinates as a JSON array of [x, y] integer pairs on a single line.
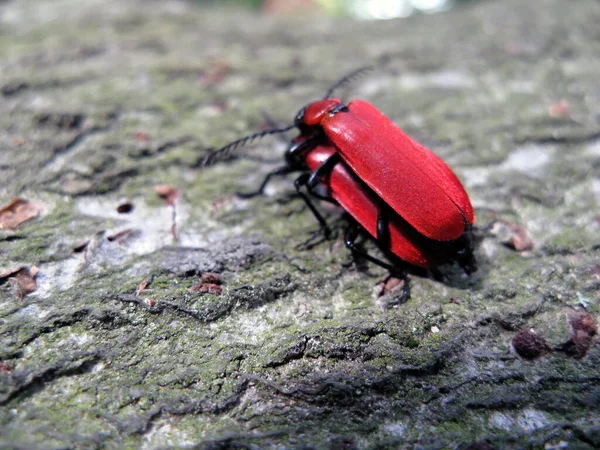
[[167, 312]]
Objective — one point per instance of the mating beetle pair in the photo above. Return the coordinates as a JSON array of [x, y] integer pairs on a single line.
[[398, 191]]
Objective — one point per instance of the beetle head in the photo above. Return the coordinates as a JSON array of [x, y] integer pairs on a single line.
[[299, 121]]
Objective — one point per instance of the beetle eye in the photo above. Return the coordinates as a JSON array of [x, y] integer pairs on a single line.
[[299, 119]]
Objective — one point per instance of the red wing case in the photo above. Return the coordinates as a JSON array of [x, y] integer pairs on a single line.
[[411, 179], [444, 177]]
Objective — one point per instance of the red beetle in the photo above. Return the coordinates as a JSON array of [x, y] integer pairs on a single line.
[[400, 192]]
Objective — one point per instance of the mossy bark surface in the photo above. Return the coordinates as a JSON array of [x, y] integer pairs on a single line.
[[101, 101]]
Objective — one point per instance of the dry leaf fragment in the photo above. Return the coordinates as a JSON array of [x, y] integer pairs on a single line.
[[519, 239], [559, 110], [16, 212], [529, 344], [141, 136], [207, 288], [212, 278], [25, 278], [167, 192], [5, 367], [584, 332], [585, 323], [389, 284], [141, 288]]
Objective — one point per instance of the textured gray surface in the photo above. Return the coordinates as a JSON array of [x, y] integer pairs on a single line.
[[103, 100]]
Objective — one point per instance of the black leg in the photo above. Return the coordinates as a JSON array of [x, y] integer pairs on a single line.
[[299, 147], [302, 180], [350, 236], [384, 242], [323, 171], [311, 181], [320, 175], [325, 198], [284, 170], [383, 227]]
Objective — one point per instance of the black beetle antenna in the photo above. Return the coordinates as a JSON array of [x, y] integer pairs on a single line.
[[222, 153], [347, 79]]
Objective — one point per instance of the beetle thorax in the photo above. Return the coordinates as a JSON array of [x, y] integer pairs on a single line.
[[317, 112]]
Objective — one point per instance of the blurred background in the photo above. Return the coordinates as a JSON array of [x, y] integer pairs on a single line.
[[360, 9]]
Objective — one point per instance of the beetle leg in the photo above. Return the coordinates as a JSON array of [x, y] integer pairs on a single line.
[[299, 147], [384, 242], [302, 180], [383, 228], [323, 171], [350, 236], [325, 198], [319, 175], [284, 170]]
